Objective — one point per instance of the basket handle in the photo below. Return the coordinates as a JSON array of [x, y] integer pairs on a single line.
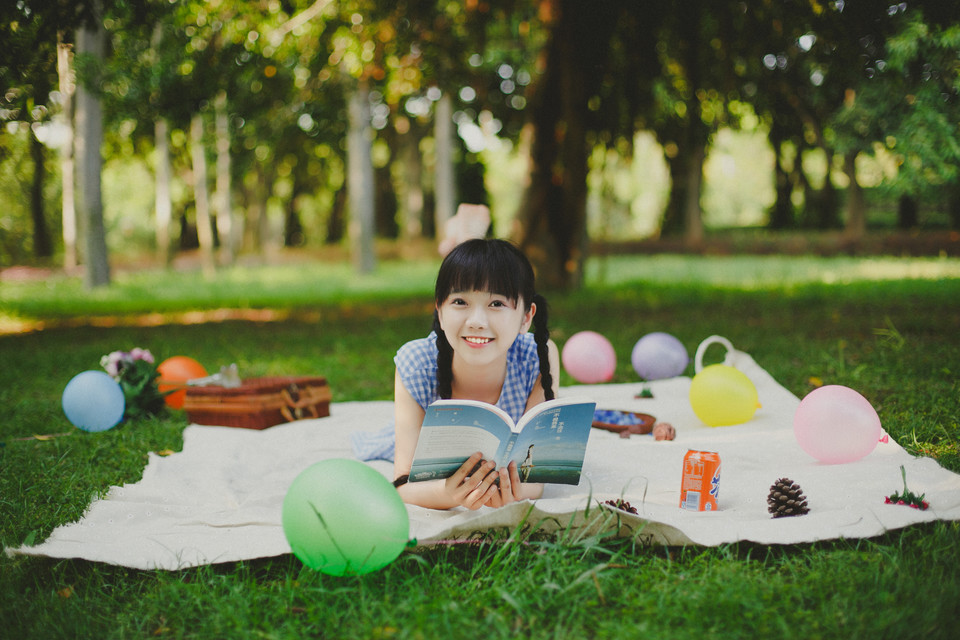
[[295, 404], [727, 359]]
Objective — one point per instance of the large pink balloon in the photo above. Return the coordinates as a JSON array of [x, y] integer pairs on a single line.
[[835, 424], [589, 357]]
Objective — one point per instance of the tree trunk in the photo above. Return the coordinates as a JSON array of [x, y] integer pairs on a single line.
[[267, 237], [781, 215], [360, 184], [693, 214], [294, 234], [908, 212], [335, 219], [42, 246], [552, 217], [820, 209], [856, 225], [385, 204], [227, 226], [254, 206], [163, 206], [953, 205], [828, 211], [693, 147], [67, 177], [410, 169], [673, 218], [201, 198], [445, 186], [88, 141]]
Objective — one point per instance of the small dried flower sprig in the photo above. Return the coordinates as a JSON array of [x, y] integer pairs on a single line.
[[908, 497], [137, 374], [116, 361]]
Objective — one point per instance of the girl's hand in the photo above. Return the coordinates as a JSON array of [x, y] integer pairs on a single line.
[[472, 488], [510, 490]]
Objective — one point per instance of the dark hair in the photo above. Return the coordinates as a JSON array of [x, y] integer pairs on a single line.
[[499, 267]]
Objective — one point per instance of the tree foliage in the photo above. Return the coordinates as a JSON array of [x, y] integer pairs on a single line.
[[565, 76]]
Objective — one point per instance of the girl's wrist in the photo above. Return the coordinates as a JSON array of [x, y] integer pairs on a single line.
[[531, 490]]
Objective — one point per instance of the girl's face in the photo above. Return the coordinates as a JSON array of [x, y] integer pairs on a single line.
[[481, 326]]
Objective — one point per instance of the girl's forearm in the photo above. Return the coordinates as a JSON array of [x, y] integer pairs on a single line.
[[431, 494]]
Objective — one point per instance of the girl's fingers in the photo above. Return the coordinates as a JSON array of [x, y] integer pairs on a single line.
[[495, 500], [514, 481], [462, 476], [506, 486], [474, 494]]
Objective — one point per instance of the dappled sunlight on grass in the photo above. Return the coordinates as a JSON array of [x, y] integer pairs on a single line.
[[765, 272], [176, 296], [296, 290]]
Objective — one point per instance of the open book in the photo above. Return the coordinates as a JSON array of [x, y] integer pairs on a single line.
[[548, 443]]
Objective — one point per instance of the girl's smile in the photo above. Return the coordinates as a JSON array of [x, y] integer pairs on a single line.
[[481, 326]]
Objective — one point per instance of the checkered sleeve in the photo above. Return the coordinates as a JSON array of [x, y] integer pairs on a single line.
[[417, 367], [523, 369]]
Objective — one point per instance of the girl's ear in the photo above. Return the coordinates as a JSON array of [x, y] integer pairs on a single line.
[[528, 318]]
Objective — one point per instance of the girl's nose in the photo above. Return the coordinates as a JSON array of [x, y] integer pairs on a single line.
[[478, 317]]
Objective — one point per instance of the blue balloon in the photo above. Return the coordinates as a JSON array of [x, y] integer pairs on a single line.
[[93, 401]]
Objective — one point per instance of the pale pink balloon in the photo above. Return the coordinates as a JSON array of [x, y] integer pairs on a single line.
[[835, 424], [589, 358]]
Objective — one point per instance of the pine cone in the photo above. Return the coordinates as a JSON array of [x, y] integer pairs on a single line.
[[786, 499]]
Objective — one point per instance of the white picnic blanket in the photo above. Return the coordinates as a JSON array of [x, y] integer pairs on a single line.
[[219, 500]]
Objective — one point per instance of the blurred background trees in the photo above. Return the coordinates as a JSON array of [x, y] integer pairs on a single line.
[[240, 127]]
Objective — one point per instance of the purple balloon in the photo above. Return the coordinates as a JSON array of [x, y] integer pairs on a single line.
[[659, 355]]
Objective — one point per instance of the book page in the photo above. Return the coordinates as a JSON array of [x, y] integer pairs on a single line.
[[552, 444], [456, 442], [452, 431]]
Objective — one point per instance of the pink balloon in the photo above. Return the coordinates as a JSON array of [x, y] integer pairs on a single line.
[[835, 424], [589, 357]]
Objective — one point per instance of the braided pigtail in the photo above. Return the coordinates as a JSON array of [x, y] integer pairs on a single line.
[[541, 334], [444, 361]]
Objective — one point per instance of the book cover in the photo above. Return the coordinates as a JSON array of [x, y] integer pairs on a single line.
[[548, 443]]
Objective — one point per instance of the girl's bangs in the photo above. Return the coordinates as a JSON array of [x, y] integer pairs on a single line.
[[486, 279], [483, 266]]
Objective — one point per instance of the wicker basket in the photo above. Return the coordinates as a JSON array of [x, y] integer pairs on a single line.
[[259, 403]]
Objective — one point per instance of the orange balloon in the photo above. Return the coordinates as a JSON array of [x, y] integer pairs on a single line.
[[174, 373]]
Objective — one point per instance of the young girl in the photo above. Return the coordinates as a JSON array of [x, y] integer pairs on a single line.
[[479, 349]]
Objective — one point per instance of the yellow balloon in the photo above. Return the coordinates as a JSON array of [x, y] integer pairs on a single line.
[[721, 396]]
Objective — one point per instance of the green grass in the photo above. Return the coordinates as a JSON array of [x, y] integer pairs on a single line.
[[891, 336]]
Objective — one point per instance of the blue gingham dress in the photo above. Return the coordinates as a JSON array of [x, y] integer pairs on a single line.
[[417, 366]]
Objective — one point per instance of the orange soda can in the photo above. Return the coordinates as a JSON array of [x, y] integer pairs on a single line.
[[701, 481]]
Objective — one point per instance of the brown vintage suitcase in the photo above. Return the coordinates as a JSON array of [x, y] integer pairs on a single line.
[[259, 403]]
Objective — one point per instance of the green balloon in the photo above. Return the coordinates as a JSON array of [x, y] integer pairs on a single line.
[[342, 517]]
